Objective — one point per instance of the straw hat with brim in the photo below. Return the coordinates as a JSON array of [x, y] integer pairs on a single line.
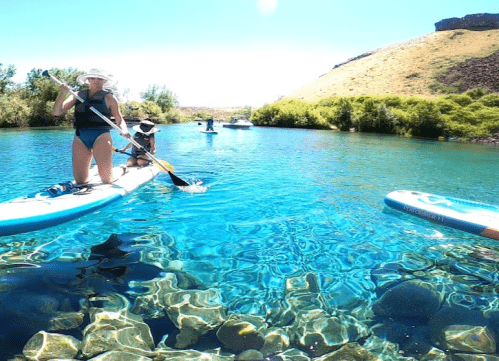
[[97, 73], [146, 127]]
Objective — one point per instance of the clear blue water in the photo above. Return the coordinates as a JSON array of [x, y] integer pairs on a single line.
[[279, 202]]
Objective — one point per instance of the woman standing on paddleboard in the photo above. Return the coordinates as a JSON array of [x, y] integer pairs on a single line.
[[92, 136]]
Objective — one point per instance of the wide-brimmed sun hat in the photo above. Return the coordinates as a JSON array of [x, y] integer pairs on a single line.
[[145, 127], [98, 73]]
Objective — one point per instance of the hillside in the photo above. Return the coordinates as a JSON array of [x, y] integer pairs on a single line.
[[217, 113], [412, 68]]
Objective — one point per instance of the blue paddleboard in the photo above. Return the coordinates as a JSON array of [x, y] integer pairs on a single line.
[[473, 217]]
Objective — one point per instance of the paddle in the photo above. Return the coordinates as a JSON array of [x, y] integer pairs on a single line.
[[176, 180], [164, 162]]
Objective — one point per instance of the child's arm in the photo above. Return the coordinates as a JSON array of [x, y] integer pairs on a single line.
[[153, 144]]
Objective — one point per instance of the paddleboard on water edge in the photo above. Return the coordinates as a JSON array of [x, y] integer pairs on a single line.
[[66, 201], [209, 132], [469, 216]]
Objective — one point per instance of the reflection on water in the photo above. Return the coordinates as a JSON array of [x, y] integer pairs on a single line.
[[289, 240]]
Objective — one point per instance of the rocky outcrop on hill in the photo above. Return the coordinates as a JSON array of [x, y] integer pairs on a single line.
[[474, 73], [354, 58], [470, 22]]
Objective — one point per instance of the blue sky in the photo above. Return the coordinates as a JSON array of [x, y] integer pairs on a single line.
[[218, 53]]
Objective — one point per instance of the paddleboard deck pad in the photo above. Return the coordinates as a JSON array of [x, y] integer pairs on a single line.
[[473, 217], [66, 201]]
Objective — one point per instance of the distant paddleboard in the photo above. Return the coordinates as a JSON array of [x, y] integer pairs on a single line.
[[473, 217], [209, 132]]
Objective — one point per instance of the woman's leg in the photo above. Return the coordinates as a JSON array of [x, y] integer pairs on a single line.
[[82, 157], [103, 154]]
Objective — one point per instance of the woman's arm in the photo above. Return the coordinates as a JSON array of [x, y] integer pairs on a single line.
[[112, 104], [61, 106]]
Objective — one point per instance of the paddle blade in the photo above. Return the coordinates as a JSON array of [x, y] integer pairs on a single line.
[[177, 181], [162, 164], [166, 167]]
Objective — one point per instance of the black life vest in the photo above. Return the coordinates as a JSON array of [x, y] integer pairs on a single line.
[[86, 118], [144, 141]]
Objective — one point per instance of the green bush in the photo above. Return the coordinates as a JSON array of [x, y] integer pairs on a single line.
[[476, 93], [491, 100], [290, 114], [461, 99], [446, 106], [456, 115], [402, 120], [426, 120], [461, 123], [489, 121], [14, 112], [344, 114]]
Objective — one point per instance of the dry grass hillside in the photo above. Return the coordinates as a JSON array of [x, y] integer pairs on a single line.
[[217, 113], [408, 68]]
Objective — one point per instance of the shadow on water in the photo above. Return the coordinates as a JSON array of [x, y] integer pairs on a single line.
[[55, 296]]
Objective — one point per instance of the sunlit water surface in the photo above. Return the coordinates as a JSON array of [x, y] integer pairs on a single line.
[[277, 203]]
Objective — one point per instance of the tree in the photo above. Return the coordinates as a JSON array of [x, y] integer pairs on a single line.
[[45, 89], [163, 97], [41, 92], [6, 77]]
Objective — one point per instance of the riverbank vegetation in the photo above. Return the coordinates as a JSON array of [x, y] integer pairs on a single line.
[[469, 115], [30, 104]]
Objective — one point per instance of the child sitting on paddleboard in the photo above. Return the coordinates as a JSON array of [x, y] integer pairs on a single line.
[[145, 137]]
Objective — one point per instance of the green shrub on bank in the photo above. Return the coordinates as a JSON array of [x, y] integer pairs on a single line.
[[426, 120], [14, 112], [473, 114], [491, 100], [290, 114]]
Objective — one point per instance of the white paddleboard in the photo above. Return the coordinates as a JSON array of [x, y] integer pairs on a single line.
[[65, 202], [473, 217]]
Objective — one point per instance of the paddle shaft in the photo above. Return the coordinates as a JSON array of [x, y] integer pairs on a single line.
[[108, 121]]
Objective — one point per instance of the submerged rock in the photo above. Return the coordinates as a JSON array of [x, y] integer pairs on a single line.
[[190, 355], [436, 354], [195, 313], [476, 339], [119, 356], [116, 331], [450, 316], [473, 357], [276, 340], [350, 352], [412, 298], [301, 293], [66, 321], [46, 346], [250, 355], [242, 332], [318, 333], [292, 354]]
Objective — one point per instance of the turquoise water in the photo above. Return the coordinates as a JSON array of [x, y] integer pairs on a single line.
[[278, 203]]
